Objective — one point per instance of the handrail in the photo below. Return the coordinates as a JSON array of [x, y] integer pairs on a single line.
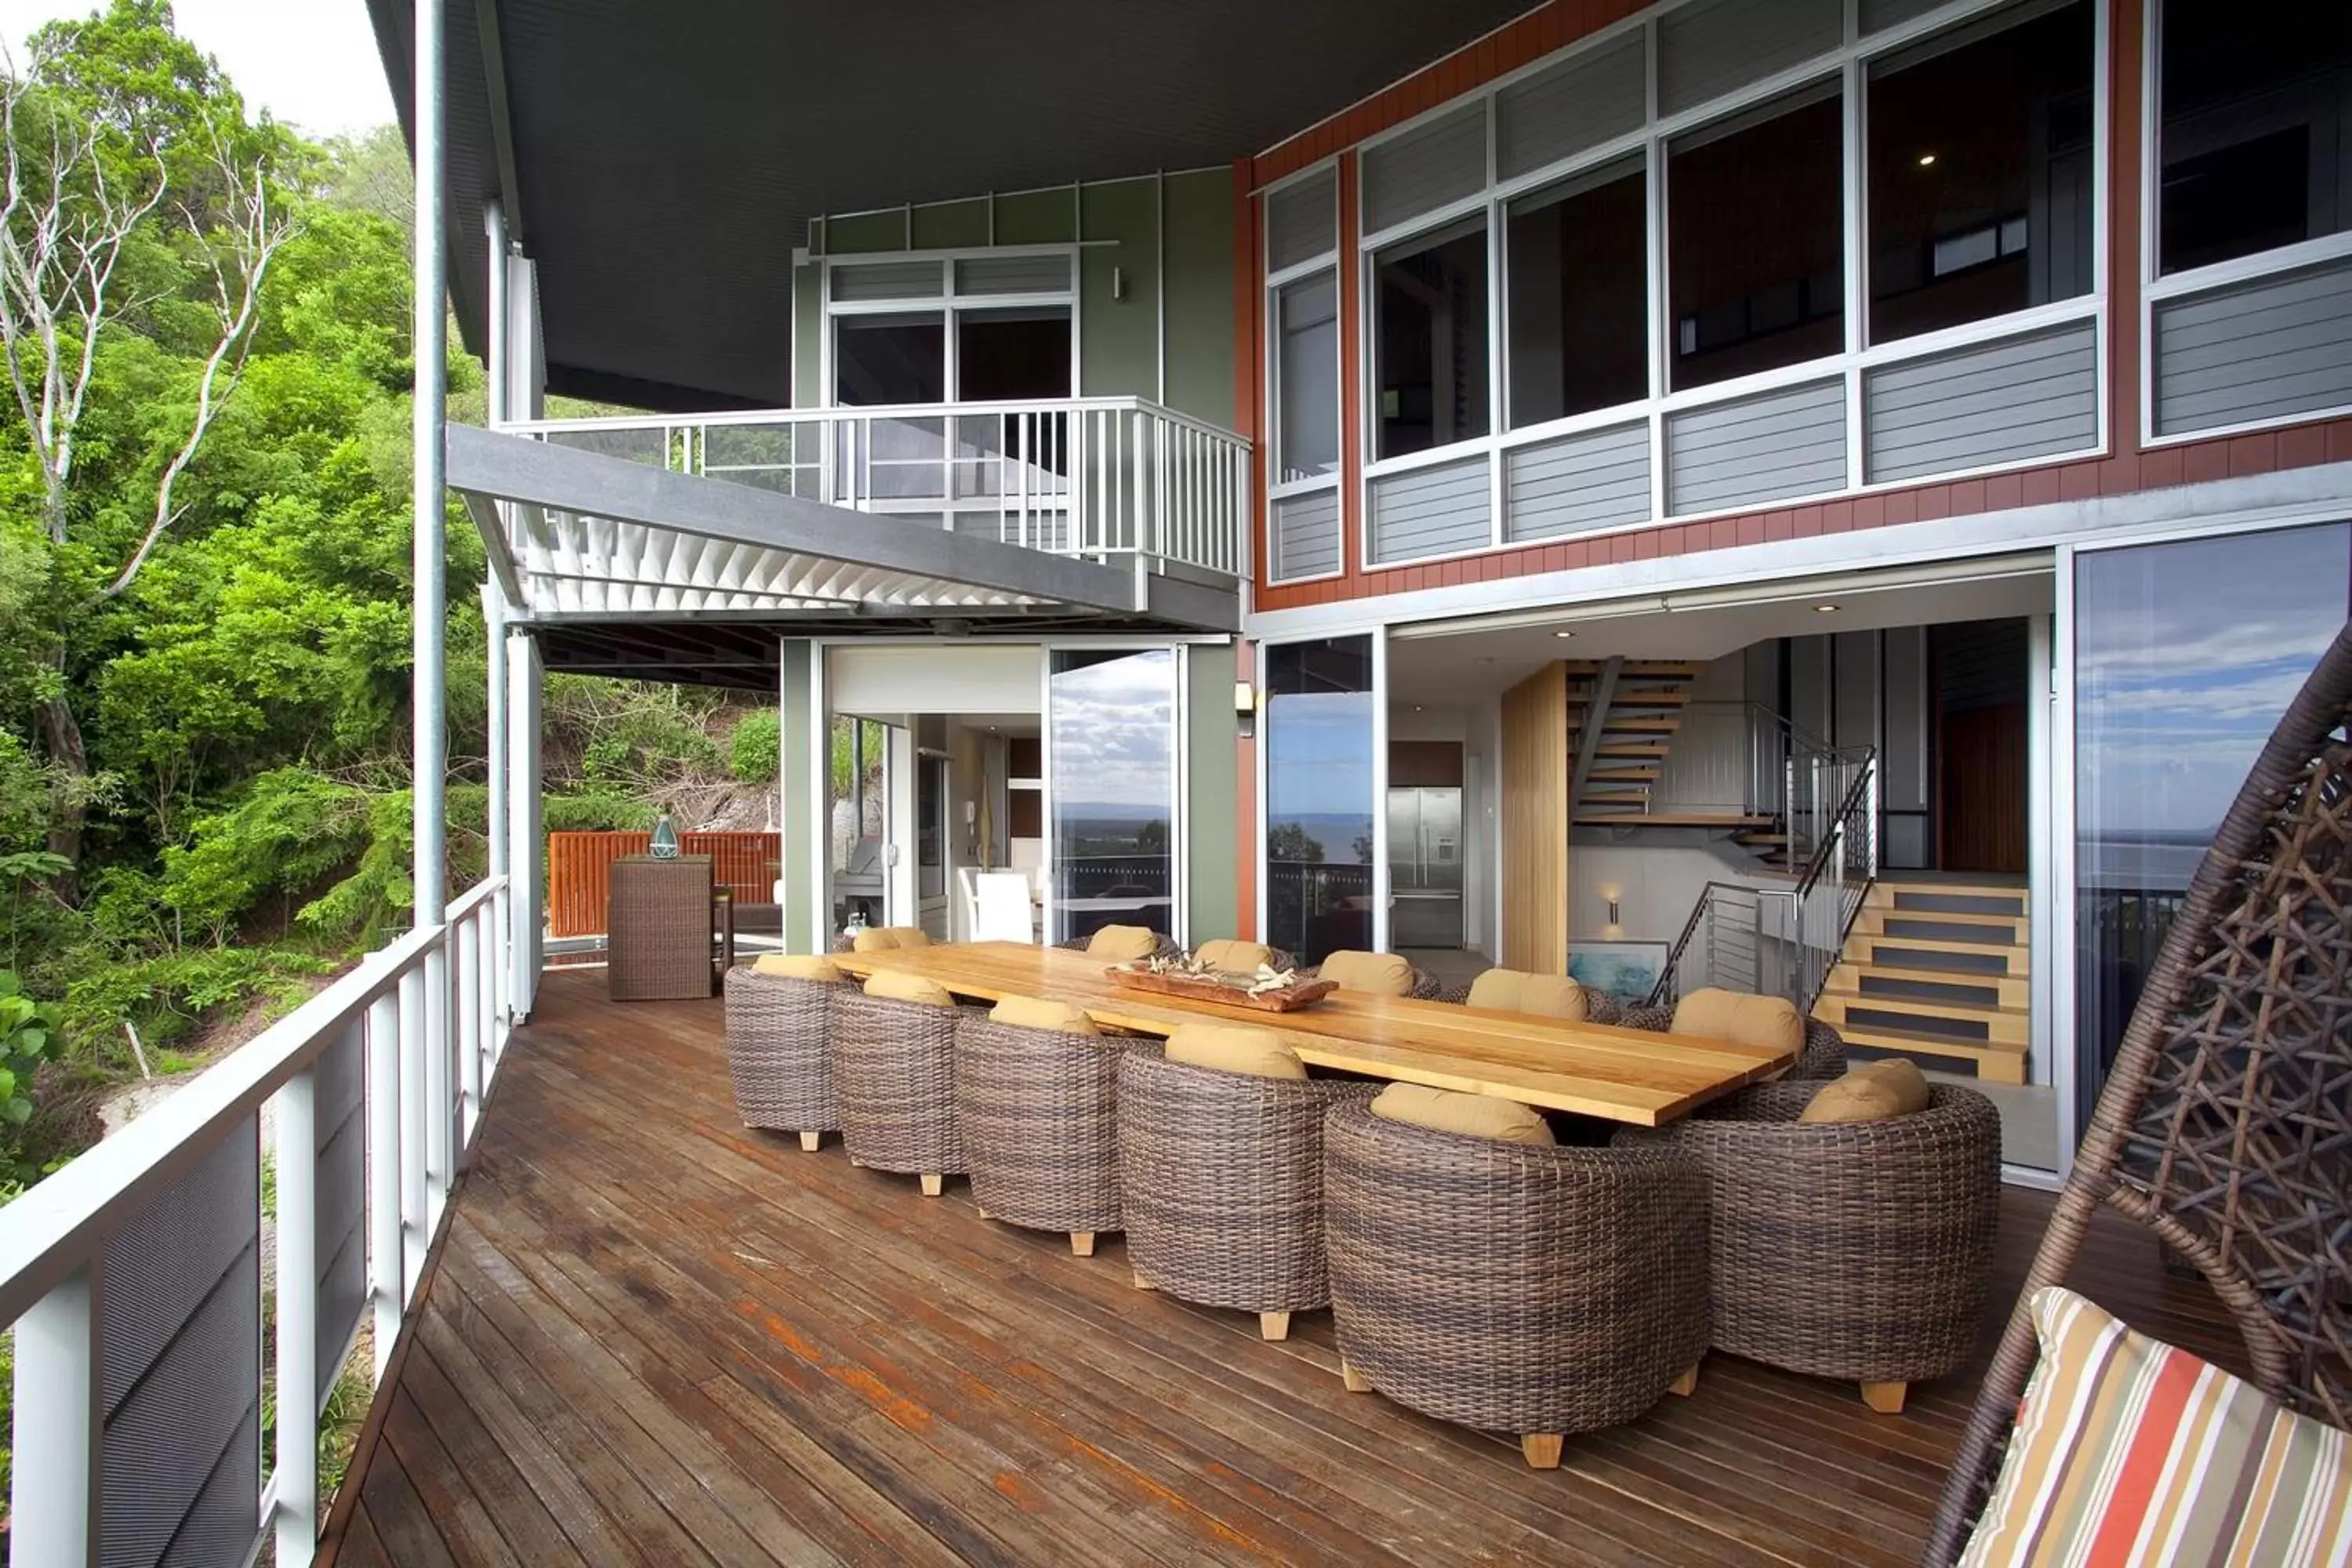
[[376, 1087], [1116, 404]]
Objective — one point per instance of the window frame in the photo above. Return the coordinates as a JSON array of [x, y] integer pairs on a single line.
[[949, 302], [2158, 288], [1274, 490], [1847, 66]]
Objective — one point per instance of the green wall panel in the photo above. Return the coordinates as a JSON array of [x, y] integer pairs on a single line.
[[808, 335], [1200, 294], [951, 226], [865, 232], [1212, 803], [799, 810], [1119, 346], [1036, 218]]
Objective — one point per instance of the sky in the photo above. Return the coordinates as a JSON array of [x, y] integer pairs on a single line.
[[311, 63]]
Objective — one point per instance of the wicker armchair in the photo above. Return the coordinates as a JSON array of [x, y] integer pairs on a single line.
[[1855, 1250], [1039, 1112], [780, 1053], [2223, 1124], [1220, 1183], [894, 1068], [1165, 945], [1822, 1058], [1276, 958], [1600, 1007], [1424, 987], [1518, 1288]]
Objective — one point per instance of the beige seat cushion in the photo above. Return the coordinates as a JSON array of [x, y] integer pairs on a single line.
[[888, 938], [1040, 1013], [899, 987], [1477, 1115], [1374, 974], [1234, 955], [1122, 944], [1235, 1048], [1870, 1092], [1771, 1023], [1518, 991], [797, 966]]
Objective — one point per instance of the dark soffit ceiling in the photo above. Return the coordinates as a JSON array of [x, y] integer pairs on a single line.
[[670, 155]]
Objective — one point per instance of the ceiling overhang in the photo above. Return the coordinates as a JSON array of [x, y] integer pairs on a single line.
[[661, 162]]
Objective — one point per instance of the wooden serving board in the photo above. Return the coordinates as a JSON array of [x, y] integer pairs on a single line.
[[1288, 999]]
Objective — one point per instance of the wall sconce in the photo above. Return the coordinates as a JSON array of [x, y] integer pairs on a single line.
[[1245, 708], [1612, 894]]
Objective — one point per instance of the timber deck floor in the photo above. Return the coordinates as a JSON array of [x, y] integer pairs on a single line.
[[650, 1336]]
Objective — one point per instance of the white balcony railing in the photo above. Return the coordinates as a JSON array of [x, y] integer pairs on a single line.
[[1096, 477], [135, 1282]]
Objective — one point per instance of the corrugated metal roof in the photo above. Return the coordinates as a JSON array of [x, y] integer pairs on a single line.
[[671, 156]]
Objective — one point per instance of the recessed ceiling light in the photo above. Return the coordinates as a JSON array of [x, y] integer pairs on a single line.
[[1563, 634], [1927, 160], [1416, 707], [1825, 609]]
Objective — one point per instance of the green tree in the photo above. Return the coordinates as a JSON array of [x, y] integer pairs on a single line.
[[1291, 841]]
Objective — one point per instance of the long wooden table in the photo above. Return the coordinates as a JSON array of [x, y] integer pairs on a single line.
[[1593, 1070]]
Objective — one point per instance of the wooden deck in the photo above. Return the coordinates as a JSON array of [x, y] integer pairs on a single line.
[[652, 1336]]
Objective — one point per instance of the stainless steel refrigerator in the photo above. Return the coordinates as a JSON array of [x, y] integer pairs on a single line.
[[1425, 868]]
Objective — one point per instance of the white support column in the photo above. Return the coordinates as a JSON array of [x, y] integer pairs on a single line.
[[426, 1033], [465, 967], [499, 808], [416, 1221], [527, 853], [386, 1265], [54, 1488], [297, 1436]]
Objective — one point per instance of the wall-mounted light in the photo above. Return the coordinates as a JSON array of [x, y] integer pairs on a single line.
[[1927, 160], [1245, 708], [1612, 894], [1563, 634], [1825, 609]]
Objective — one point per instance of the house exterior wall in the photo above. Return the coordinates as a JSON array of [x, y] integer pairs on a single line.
[[2138, 450]]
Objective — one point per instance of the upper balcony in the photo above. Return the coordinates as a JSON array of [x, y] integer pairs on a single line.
[[914, 510]]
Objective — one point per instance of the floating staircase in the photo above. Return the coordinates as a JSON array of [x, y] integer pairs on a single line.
[[1937, 968], [1623, 715]]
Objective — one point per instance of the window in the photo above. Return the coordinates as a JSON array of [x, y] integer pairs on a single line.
[[1578, 258], [1755, 258], [1319, 796], [2253, 141], [1981, 174], [1009, 354], [1430, 340], [1307, 377], [1111, 722], [890, 359]]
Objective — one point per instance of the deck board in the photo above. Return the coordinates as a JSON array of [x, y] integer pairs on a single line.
[[652, 1336]]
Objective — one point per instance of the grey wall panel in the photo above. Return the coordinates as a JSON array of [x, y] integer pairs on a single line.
[[1015, 275], [1435, 510], [1878, 15], [1426, 167], [2265, 350], [1904, 782], [1711, 47], [1854, 657], [1302, 221], [1594, 479], [888, 280], [180, 1367], [2001, 402], [1760, 448], [1580, 102], [1307, 535]]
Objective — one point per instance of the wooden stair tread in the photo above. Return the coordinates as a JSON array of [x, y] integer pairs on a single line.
[[1960, 1012], [1997, 1061], [1943, 917], [2015, 954], [1671, 818], [1984, 978]]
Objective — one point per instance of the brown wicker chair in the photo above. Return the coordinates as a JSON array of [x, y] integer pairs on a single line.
[[780, 1053], [1276, 958], [1220, 1183], [1518, 1288], [893, 1069], [1856, 1250], [1425, 986], [1039, 1112], [1600, 1007], [2223, 1125], [1822, 1055], [1166, 945]]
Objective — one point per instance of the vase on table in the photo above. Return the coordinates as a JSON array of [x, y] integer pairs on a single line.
[[665, 844]]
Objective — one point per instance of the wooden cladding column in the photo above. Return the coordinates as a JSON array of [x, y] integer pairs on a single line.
[[1534, 822]]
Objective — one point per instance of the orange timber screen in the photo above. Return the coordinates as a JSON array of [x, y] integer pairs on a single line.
[[748, 864]]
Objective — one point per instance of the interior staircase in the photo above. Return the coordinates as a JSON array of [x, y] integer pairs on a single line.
[[1937, 968], [1622, 718]]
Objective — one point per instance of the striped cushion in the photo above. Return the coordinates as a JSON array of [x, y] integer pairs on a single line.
[[2128, 1451]]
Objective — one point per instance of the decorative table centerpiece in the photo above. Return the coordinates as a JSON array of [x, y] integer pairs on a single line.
[[1268, 990]]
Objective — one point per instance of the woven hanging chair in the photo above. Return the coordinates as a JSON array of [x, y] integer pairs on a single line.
[[2226, 1125]]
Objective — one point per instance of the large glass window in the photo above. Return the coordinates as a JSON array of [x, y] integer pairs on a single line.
[[1981, 174], [1307, 377], [2185, 655], [2255, 143], [1111, 727], [1430, 340], [1755, 251], [1319, 796], [1022, 353], [896, 358], [1577, 255]]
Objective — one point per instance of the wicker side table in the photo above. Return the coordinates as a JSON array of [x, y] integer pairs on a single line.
[[658, 943]]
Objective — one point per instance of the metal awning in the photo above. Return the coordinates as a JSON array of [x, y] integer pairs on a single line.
[[660, 162]]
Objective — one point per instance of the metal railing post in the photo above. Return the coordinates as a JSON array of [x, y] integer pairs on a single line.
[[386, 1265], [297, 1455], [466, 967], [53, 1492], [415, 1224]]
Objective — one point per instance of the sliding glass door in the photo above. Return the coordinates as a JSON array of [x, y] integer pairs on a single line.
[[1113, 777], [1321, 839]]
